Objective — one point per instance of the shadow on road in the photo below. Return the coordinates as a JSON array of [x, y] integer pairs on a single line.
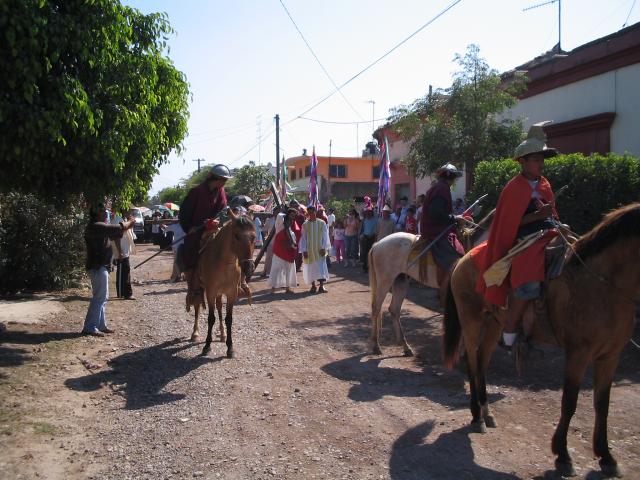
[[449, 457], [141, 376]]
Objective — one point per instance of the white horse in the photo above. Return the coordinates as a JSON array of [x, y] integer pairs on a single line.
[[389, 270]]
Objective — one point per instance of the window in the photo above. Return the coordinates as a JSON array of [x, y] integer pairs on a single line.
[[307, 170], [376, 171], [338, 171], [293, 174]]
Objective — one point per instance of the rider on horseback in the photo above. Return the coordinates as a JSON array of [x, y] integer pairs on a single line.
[[437, 216], [526, 206], [202, 203]]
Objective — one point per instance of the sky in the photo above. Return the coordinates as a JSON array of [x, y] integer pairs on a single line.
[[246, 62]]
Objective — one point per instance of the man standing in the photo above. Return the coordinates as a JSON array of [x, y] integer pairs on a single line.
[[398, 219], [203, 202], [385, 225], [367, 236], [123, 267], [314, 245], [99, 254], [437, 217]]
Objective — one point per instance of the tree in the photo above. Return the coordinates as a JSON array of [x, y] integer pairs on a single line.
[[251, 180], [459, 124], [172, 194], [89, 103]]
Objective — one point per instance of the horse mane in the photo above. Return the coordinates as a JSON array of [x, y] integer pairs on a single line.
[[616, 225]]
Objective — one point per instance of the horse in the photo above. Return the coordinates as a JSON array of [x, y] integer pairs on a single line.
[[591, 311], [224, 259], [389, 268]]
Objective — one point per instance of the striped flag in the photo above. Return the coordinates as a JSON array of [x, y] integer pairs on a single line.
[[313, 180], [385, 175]]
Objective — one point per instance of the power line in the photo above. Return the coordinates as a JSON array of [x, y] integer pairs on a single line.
[[318, 60], [339, 123], [445, 10], [629, 14]]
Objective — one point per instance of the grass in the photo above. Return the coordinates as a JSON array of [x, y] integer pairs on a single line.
[[44, 428]]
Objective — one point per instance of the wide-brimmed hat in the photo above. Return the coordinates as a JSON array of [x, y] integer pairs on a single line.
[[386, 208], [535, 143], [450, 170]]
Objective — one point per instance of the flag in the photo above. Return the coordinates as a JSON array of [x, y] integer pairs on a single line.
[[313, 180], [384, 180]]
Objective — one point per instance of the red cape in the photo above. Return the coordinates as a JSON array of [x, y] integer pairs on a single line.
[[512, 204]]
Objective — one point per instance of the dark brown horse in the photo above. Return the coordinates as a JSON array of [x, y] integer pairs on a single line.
[[591, 310], [223, 260]]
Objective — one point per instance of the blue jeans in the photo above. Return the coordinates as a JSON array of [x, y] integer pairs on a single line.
[[351, 244], [95, 319]]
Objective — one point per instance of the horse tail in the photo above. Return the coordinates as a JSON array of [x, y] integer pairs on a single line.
[[373, 283], [452, 330]]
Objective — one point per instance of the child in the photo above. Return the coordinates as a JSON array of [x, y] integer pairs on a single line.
[[338, 242], [411, 224]]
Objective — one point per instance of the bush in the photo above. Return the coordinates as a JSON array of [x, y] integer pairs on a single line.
[[597, 184], [341, 207], [41, 247]]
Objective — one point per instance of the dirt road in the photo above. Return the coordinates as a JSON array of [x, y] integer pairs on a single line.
[[301, 400]]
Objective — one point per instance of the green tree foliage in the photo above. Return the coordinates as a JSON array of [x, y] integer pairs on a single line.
[[459, 124], [172, 194], [41, 247], [251, 180], [89, 103], [341, 207], [597, 184]]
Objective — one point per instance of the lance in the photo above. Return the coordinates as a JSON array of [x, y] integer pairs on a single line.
[[446, 230], [222, 212], [272, 233]]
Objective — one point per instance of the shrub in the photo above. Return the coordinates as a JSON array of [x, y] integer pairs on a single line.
[[41, 246], [597, 184]]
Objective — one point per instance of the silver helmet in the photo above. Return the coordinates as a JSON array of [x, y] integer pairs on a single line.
[[220, 171], [449, 170]]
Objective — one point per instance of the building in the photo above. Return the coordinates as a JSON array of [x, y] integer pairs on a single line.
[[590, 93], [338, 177]]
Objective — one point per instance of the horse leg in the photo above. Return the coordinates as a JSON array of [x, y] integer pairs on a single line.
[[211, 300], [196, 332], [228, 321], [604, 369], [399, 292], [489, 342], [376, 317], [219, 308], [575, 365], [477, 423]]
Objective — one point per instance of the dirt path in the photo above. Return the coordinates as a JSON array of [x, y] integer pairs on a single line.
[[301, 400]]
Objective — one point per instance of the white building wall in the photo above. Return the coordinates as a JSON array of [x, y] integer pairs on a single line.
[[615, 91]]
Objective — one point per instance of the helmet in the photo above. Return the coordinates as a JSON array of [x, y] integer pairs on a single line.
[[448, 170], [220, 171], [535, 143]]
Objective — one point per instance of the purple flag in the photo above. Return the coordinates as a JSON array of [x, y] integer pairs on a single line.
[[385, 175], [313, 180]]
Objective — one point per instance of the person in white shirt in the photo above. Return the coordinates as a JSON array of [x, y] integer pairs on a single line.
[[123, 267]]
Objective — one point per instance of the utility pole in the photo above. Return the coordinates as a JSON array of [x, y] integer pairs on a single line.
[[198, 160], [329, 176], [277, 149], [550, 2]]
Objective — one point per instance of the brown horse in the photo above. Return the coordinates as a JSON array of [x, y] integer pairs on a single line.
[[591, 311], [223, 259]]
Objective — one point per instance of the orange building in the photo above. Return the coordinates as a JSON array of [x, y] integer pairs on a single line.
[[338, 177]]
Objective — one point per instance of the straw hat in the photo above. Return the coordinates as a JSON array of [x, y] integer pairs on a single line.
[[386, 208], [535, 143]]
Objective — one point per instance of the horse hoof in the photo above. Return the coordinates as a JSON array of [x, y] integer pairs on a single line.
[[194, 337], [490, 421], [223, 339], [206, 349], [479, 427], [230, 354], [611, 470], [376, 350], [565, 468], [408, 352]]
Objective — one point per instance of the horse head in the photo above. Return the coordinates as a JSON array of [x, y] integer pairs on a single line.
[[244, 236]]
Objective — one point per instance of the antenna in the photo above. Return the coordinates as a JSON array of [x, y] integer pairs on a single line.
[[559, 2]]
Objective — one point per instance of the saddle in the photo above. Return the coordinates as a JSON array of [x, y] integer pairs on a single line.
[[425, 262]]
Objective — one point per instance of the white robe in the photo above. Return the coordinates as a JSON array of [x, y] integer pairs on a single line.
[[283, 273], [315, 237]]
